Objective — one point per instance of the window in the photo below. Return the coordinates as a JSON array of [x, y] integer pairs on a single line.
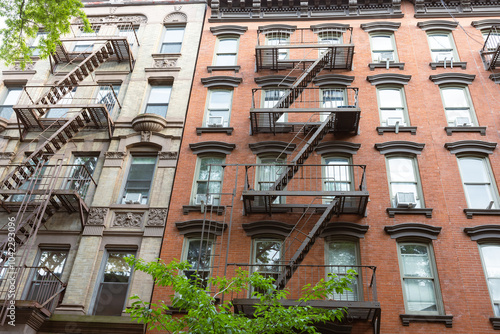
[[279, 38], [208, 182], [268, 174], [337, 174], [10, 98], [129, 32], [266, 257], [158, 100], [139, 180], [40, 36], [383, 48], [79, 176], [86, 45], [198, 253], [107, 95], [329, 37], [227, 51], [34, 182], [62, 112], [458, 106], [404, 183], [219, 108], [442, 47], [113, 284], [478, 183], [172, 40], [491, 38], [332, 98], [342, 256], [419, 279], [271, 98], [42, 281], [490, 256], [392, 106]]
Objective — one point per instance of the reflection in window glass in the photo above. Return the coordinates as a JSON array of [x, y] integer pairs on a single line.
[[158, 100], [342, 256], [172, 40], [491, 263], [209, 181], [227, 49], [479, 189]]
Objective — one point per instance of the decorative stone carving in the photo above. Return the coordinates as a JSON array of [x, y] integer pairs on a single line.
[[115, 155], [168, 155], [149, 123], [6, 155], [176, 17], [145, 136], [135, 19], [97, 216], [127, 219], [165, 62], [28, 67], [157, 217]]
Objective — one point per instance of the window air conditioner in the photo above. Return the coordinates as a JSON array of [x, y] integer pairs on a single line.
[[215, 122], [444, 56], [391, 121], [462, 121], [386, 56], [202, 197], [405, 200], [132, 198]]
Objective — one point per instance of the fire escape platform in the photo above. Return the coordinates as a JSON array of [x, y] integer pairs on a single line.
[[62, 199], [120, 45], [346, 119], [268, 56]]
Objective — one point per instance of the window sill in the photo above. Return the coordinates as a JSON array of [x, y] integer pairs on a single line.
[[155, 55], [186, 209], [227, 130], [236, 69], [446, 319], [450, 129], [495, 322], [420, 211], [129, 206], [373, 66], [462, 64], [481, 212], [411, 129]]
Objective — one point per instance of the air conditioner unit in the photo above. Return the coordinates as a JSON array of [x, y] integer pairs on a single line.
[[462, 121], [386, 56], [132, 198], [405, 200], [444, 56], [215, 122], [207, 200], [391, 121]]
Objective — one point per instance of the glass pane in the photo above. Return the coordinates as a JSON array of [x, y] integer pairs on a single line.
[[396, 115], [111, 299], [160, 94], [140, 176], [214, 171], [479, 196], [420, 295], [342, 253], [174, 35], [117, 269], [12, 96], [79, 175], [53, 260], [381, 43], [271, 97], [171, 48], [333, 98], [199, 253], [390, 98], [158, 109], [401, 169], [228, 46], [415, 260], [220, 100], [454, 98], [225, 60], [473, 170], [267, 252], [439, 42], [491, 260]]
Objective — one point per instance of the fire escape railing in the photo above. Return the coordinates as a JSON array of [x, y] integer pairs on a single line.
[[491, 48]]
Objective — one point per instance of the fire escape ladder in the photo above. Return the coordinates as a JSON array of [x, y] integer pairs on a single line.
[[300, 84], [77, 75], [305, 247]]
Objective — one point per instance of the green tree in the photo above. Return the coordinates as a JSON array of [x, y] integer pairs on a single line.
[[25, 18], [204, 314]]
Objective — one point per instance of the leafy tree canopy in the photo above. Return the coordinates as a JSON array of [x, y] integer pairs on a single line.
[[25, 18], [204, 313]]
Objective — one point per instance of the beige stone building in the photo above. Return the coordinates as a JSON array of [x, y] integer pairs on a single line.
[[88, 148]]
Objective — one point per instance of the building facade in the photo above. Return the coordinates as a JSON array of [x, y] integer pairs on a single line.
[[89, 142], [325, 136]]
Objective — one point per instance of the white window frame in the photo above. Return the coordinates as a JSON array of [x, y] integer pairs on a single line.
[[388, 113], [9, 92], [357, 287], [219, 54], [264, 102], [439, 53], [378, 52], [35, 43], [104, 96], [490, 278], [432, 277], [332, 104], [270, 160], [196, 180], [74, 175], [417, 184], [164, 103], [165, 42], [466, 110], [205, 272], [216, 116], [489, 182], [330, 173], [144, 199]]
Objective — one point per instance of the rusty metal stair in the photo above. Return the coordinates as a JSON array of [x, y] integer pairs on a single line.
[[306, 245]]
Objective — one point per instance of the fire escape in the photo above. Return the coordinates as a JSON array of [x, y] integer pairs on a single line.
[[299, 112], [51, 116], [490, 52]]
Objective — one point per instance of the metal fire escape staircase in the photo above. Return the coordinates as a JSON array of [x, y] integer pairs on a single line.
[[31, 117]]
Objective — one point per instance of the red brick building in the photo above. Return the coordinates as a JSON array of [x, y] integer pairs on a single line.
[[322, 136]]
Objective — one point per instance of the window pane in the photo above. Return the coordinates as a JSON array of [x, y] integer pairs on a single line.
[[267, 252], [226, 60], [171, 48], [160, 94], [454, 98], [415, 260], [439, 42], [12, 96], [117, 269], [173, 35], [333, 98], [420, 295], [473, 170], [390, 98], [199, 253], [491, 260], [401, 169], [380, 43], [53, 260], [228, 46], [479, 196], [342, 253], [220, 100]]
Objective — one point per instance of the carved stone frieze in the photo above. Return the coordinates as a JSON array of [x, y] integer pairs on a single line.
[[157, 217], [6, 155], [168, 155], [115, 155], [165, 62], [145, 136], [176, 17], [28, 67], [97, 216], [127, 219], [135, 19]]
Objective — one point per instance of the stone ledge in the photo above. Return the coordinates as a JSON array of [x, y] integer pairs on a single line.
[[421, 211], [462, 64], [186, 209], [495, 322], [446, 319], [450, 129], [411, 129], [373, 66], [227, 130], [236, 69], [481, 212]]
